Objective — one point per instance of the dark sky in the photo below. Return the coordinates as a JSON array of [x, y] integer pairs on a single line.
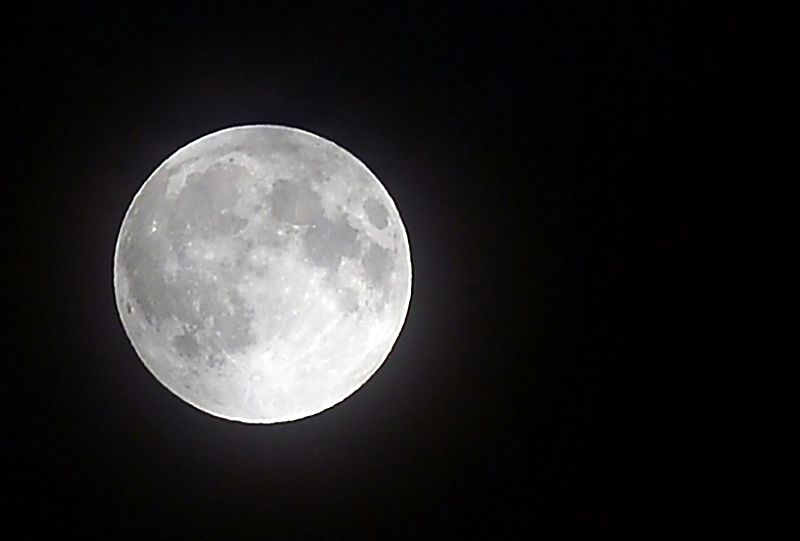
[[526, 149]]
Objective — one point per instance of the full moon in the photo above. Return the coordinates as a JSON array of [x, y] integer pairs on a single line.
[[262, 273]]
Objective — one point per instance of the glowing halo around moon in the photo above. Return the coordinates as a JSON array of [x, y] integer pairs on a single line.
[[262, 273]]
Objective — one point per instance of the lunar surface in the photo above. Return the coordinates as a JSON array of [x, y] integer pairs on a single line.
[[262, 273]]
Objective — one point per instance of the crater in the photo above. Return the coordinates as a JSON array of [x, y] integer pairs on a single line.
[[215, 362]]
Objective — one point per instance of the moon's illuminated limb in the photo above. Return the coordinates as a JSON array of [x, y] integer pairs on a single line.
[[262, 273]]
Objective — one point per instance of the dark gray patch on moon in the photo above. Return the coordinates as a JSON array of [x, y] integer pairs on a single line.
[[190, 298], [186, 344], [142, 260], [378, 266], [295, 202], [204, 203], [376, 213], [348, 299], [327, 242], [267, 145]]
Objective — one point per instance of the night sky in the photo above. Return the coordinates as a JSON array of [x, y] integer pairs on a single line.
[[526, 148]]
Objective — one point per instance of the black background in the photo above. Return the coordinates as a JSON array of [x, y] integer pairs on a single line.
[[528, 150]]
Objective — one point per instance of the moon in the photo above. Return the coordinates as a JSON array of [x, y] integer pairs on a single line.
[[262, 273]]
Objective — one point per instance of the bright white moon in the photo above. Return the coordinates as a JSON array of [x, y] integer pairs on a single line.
[[262, 273]]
